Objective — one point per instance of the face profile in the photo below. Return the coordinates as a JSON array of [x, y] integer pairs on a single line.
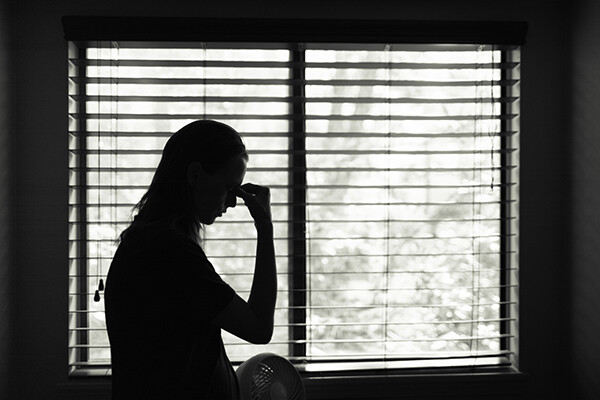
[[214, 193]]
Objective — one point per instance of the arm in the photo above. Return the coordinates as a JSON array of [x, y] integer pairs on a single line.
[[253, 320]]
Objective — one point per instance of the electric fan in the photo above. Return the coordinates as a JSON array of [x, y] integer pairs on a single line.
[[268, 376]]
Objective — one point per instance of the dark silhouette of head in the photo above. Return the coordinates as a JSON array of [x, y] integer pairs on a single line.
[[168, 201]]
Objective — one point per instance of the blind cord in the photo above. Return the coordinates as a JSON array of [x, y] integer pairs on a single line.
[[204, 51], [113, 64], [492, 131], [114, 136], [388, 197], [476, 122], [99, 165], [308, 237]]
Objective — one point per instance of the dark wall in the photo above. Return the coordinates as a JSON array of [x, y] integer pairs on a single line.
[[585, 228], [38, 111], [6, 190]]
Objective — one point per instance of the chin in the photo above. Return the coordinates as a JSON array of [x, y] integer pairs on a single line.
[[208, 221]]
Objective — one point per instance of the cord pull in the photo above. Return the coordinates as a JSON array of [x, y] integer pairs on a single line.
[[101, 285], [97, 296]]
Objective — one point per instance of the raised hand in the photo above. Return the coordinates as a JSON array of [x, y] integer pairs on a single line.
[[258, 200]]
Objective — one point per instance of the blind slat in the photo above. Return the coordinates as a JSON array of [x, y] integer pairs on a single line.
[[317, 204], [266, 99], [313, 169], [333, 187], [286, 117], [320, 152], [288, 82], [334, 290], [368, 323], [346, 134], [226, 63]]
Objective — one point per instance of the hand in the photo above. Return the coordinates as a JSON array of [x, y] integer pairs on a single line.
[[258, 200]]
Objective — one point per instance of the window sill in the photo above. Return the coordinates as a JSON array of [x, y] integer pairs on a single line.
[[483, 383], [497, 383]]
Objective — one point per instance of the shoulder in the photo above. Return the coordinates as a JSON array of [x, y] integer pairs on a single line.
[[164, 253], [160, 240]]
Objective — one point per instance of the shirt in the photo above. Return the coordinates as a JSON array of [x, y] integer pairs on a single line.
[[161, 297]]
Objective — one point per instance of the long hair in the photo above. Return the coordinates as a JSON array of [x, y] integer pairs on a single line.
[[168, 201]]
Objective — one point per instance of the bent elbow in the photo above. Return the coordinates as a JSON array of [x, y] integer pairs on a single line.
[[264, 336], [261, 341], [266, 339]]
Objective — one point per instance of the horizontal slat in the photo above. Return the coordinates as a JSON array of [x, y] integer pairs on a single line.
[[366, 323], [391, 271], [313, 239], [378, 322], [343, 362], [424, 271], [369, 363], [104, 169], [401, 305], [285, 117], [357, 65], [392, 134], [341, 45], [346, 353], [392, 65], [371, 306], [319, 204], [354, 361], [288, 82], [370, 274], [405, 323], [383, 220], [313, 255], [321, 152], [93, 364], [362, 340], [470, 356], [288, 99], [350, 290], [316, 239], [360, 254], [319, 187], [95, 61]]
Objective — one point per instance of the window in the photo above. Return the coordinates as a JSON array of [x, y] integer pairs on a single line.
[[394, 175]]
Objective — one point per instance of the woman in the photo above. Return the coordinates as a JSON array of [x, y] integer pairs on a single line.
[[165, 304]]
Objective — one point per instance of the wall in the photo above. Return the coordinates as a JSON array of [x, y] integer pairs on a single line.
[[5, 206], [585, 229], [39, 110]]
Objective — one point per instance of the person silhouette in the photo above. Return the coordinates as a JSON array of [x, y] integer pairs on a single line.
[[165, 304]]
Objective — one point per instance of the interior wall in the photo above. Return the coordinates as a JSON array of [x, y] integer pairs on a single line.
[[39, 110], [5, 207], [585, 230]]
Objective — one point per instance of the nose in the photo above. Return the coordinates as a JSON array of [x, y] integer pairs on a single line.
[[230, 201]]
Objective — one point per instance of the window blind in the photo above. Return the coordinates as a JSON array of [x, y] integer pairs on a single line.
[[394, 177]]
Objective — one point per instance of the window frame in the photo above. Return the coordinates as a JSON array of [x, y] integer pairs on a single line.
[[101, 28]]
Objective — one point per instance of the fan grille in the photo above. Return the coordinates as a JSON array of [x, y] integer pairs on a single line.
[[276, 379]]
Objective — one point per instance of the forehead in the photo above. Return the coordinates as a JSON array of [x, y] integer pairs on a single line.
[[235, 171]]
